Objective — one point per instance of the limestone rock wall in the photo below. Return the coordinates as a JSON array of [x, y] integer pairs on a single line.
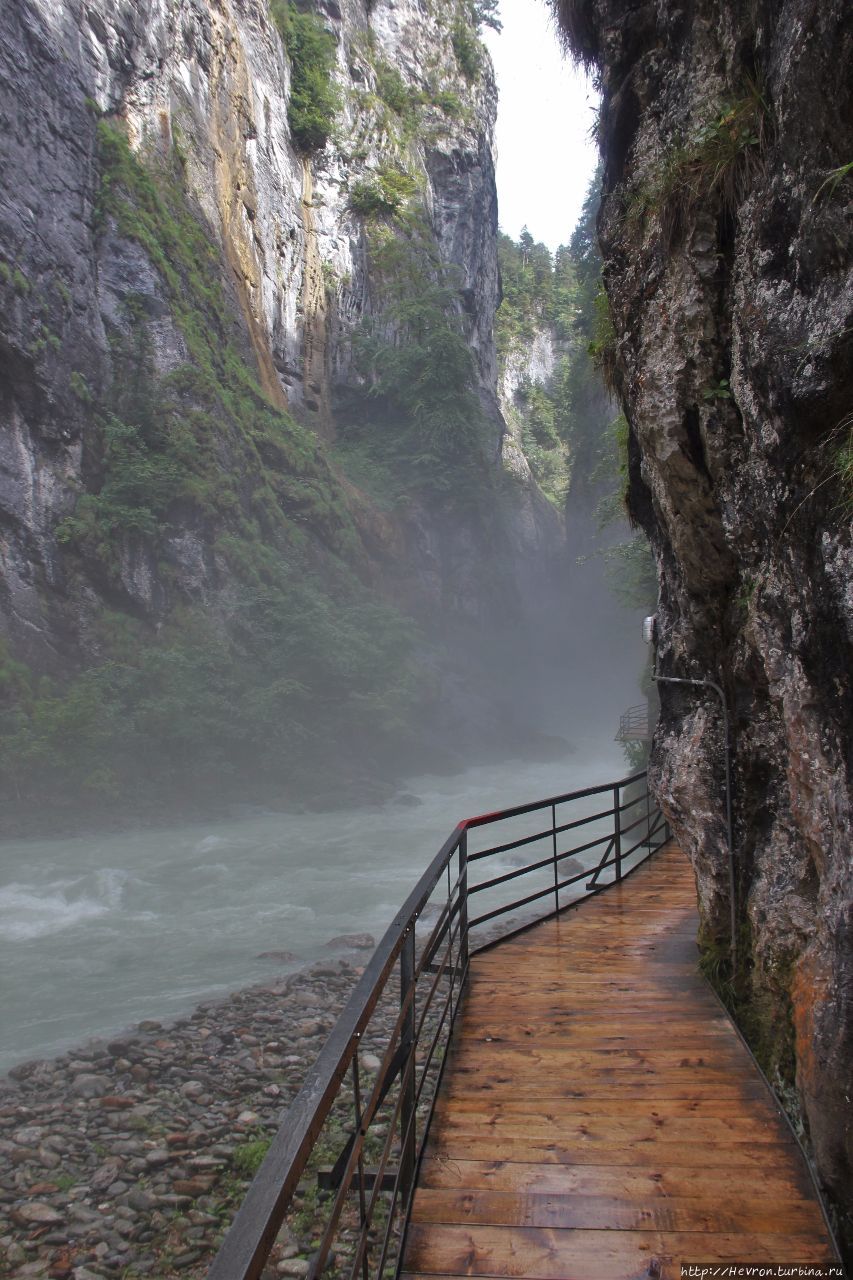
[[211, 81], [726, 230], [536, 523]]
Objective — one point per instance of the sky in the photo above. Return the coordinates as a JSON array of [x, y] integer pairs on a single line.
[[546, 105]]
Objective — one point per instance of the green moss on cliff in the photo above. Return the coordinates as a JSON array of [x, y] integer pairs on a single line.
[[762, 1006]]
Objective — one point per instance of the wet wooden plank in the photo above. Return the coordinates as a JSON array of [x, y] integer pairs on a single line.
[[786, 1183], [569, 1003], [692, 1154], [480, 1077], [545, 1056], [624, 1086], [553, 1254], [567, 1109], [640, 1035], [605, 1127], [617, 1212], [599, 1114], [481, 1023]]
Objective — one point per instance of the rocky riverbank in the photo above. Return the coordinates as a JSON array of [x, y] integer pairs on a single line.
[[128, 1158]]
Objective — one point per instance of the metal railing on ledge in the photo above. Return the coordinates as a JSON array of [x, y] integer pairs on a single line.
[[634, 724], [365, 1105]]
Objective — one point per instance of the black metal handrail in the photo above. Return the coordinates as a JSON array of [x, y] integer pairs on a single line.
[[387, 1109], [634, 724]]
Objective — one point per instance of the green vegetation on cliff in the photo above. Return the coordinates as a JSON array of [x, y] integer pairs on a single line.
[[202, 710], [383, 194], [206, 433], [471, 17], [539, 290], [576, 449], [563, 417], [262, 654], [540, 296], [418, 418], [415, 427], [314, 96], [720, 155]]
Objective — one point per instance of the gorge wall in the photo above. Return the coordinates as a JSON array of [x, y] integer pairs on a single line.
[[245, 250], [725, 228]]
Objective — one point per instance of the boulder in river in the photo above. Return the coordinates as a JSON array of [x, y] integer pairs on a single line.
[[352, 941]]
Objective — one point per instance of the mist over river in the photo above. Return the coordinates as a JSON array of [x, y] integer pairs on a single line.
[[100, 932]]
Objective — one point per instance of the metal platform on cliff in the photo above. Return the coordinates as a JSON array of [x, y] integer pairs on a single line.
[[635, 724], [561, 1098]]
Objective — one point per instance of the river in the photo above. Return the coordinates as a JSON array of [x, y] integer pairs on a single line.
[[99, 932]]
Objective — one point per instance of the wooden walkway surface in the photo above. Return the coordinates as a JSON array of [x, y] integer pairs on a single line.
[[599, 1117]]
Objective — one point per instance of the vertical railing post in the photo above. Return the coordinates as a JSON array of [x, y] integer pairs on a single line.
[[463, 901], [362, 1195], [407, 1077], [648, 816], [617, 832], [450, 913], [554, 850]]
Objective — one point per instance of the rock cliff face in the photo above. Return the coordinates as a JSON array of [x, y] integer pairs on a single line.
[[248, 277], [202, 89], [527, 364], [726, 232]]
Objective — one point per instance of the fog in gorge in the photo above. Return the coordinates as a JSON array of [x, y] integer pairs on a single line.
[[101, 930], [317, 570], [369, 371]]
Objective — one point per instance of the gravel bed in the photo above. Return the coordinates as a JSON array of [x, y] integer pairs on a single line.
[[129, 1157]]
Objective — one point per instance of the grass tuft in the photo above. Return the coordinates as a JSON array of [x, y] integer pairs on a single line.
[[719, 159], [249, 1156], [576, 26], [841, 447]]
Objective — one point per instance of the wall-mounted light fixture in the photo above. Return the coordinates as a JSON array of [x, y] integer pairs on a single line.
[[651, 635]]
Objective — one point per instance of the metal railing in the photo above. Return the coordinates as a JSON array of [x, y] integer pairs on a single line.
[[367, 1100], [634, 724]]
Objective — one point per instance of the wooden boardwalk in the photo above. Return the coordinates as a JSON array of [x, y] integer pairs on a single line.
[[599, 1117]]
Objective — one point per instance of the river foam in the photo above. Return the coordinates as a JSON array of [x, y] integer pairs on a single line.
[[29, 911], [96, 934]]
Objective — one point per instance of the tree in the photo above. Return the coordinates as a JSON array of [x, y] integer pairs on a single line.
[[525, 243], [484, 13]]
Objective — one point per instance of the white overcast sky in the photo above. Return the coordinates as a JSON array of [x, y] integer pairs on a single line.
[[546, 156]]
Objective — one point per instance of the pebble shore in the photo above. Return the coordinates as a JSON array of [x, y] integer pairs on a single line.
[[127, 1158]]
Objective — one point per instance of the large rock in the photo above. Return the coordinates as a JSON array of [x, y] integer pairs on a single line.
[[726, 230], [87, 1085], [35, 1213]]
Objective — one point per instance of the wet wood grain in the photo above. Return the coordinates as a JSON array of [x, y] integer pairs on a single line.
[[599, 1116]]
